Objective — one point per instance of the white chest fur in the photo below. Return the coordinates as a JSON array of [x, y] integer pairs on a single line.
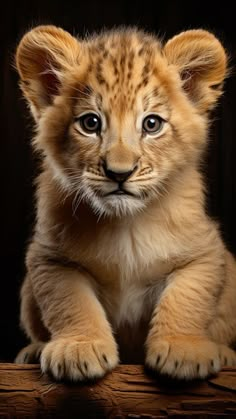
[[131, 270], [137, 302]]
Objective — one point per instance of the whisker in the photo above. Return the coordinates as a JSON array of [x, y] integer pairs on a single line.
[[141, 179], [75, 203], [82, 92]]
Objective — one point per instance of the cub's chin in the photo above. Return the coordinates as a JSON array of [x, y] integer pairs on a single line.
[[116, 205]]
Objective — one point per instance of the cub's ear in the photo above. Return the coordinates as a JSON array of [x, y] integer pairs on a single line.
[[201, 62], [42, 58]]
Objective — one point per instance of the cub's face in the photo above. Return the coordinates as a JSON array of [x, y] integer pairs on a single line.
[[119, 116]]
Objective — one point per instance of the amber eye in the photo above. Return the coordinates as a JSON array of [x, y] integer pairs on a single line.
[[90, 123], [152, 124]]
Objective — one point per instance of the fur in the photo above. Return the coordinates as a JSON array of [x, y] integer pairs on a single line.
[[144, 274]]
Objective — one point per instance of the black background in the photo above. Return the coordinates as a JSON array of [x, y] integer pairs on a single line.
[[18, 167]]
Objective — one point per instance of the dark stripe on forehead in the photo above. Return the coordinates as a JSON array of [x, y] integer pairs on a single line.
[[145, 81], [99, 75], [146, 101], [145, 49], [98, 100], [155, 98], [155, 92], [130, 64], [131, 60], [114, 64], [105, 54], [146, 69], [137, 88], [141, 51], [142, 83], [122, 62]]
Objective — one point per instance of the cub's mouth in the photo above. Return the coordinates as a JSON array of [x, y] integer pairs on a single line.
[[120, 192]]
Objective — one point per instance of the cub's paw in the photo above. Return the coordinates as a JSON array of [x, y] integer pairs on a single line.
[[78, 360], [187, 357], [227, 356], [30, 354]]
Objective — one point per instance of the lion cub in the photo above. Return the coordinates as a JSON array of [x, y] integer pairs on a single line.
[[124, 258]]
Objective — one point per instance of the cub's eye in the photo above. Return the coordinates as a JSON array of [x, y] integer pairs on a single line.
[[90, 123], [152, 124]]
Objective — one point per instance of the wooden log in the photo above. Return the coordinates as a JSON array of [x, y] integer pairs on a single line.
[[127, 392]]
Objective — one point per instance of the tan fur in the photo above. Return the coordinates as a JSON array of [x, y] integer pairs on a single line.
[[148, 271]]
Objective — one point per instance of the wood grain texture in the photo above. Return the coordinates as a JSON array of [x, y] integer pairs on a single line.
[[127, 392]]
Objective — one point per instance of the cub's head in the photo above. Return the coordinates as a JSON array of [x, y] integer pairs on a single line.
[[119, 115]]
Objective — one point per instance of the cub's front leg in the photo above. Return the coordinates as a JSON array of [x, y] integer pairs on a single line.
[[82, 345], [178, 343]]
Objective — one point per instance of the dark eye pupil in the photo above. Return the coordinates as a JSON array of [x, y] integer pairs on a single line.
[[151, 123], [91, 122]]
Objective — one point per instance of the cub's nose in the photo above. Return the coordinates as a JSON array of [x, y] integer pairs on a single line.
[[118, 176]]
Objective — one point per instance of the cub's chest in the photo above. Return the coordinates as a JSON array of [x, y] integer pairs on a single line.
[[125, 252], [129, 266]]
